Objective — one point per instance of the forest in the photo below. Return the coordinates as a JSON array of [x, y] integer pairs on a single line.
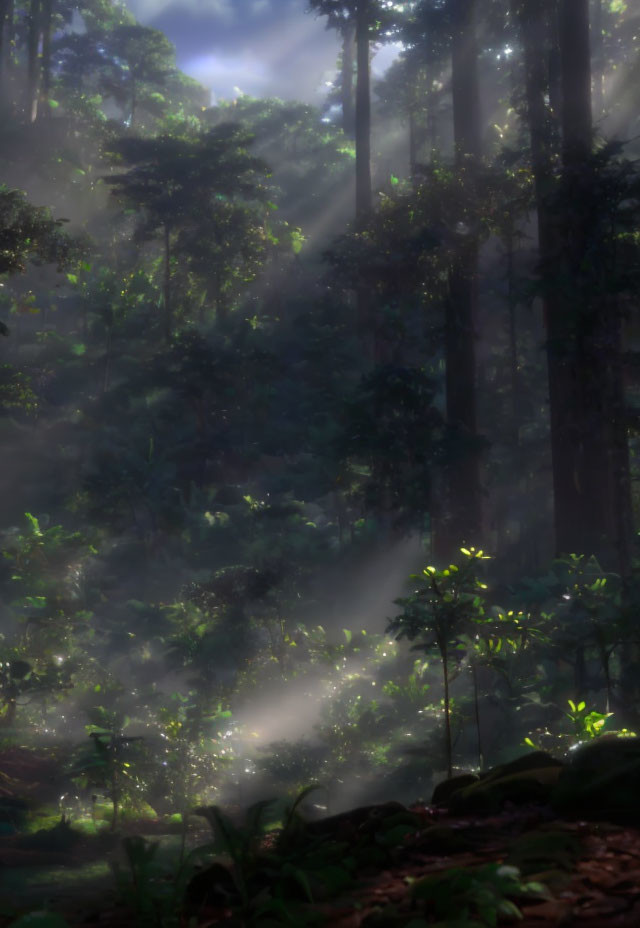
[[320, 483]]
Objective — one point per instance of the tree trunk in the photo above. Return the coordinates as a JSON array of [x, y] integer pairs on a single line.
[[588, 433], [575, 69], [464, 504], [514, 366], [168, 320], [365, 307], [346, 79], [45, 88], [598, 60], [464, 81], [7, 72], [591, 315], [4, 10], [134, 102], [413, 142], [432, 106], [363, 114], [33, 41]]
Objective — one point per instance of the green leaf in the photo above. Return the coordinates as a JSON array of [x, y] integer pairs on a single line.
[[35, 525]]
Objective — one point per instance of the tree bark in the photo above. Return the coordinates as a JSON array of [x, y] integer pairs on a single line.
[[575, 69], [45, 70], [464, 491], [598, 60], [363, 114], [33, 41], [134, 102], [168, 309], [346, 79], [4, 10], [589, 450]]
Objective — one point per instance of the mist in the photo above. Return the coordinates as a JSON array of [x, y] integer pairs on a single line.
[[318, 411]]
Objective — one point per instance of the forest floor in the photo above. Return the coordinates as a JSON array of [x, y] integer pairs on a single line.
[[590, 869], [587, 872]]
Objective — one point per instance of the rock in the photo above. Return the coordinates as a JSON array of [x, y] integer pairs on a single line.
[[534, 760], [602, 781], [354, 819], [489, 796], [529, 778], [447, 788]]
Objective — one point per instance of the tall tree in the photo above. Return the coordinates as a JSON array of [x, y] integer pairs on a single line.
[[464, 517], [175, 182], [588, 431], [363, 18], [347, 70], [6, 24], [33, 40]]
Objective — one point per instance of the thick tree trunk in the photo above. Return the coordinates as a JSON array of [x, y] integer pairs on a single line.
[[588, 433], [346, 79], [365, 307], [575, 69], [432, 108], [591, 315], [363, 114], [464, 503], [464, 81], [598, 60], [7, 71]]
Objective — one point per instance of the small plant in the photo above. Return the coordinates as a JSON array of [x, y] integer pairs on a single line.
[[108, 764], [587, 724], [136, 885], [473, 897]]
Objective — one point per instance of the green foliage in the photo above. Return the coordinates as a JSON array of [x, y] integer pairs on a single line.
[[476, 896], [586, 723], [29, 233], [442, 607]]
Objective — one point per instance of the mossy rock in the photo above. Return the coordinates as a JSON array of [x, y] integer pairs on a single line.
[[489, 796], [605, 752], [444, 790], [141, 811], [533, 760], [529, 778], [602, 782]]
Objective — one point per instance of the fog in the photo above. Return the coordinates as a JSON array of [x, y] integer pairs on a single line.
[[253, 382]]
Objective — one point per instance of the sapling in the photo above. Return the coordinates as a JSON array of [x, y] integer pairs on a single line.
[[438, 612]]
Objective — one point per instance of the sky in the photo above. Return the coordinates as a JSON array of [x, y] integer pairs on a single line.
[[259, 47]]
